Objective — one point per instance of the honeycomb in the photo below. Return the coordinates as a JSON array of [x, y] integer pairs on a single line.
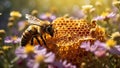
[[69, 34]]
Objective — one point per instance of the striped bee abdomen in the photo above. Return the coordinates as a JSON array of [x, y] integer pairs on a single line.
[[27, 36]]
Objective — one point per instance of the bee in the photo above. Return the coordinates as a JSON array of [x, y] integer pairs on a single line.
[[37, 28]]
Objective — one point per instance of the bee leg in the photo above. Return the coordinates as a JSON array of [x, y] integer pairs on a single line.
[[43, 41], [32, 40], [37, 40]]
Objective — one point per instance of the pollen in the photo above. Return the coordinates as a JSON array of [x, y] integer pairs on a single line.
[[39, 58], [111, 43], [69, 34], [104, 14], [29, 49]]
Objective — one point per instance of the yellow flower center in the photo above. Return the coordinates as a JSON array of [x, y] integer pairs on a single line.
[[39, 58], [15, 14], [48, 14], [104, 14], [29, 49], [14, 38], [1, 52], [111, 43], [6, 47]]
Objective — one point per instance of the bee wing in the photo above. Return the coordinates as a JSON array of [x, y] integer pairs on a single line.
[[33, 19]]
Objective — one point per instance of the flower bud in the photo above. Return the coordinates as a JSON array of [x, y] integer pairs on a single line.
[[87, 8], [15, 14], [34, 13], [98, 4], [116, 3], [2, 32], [11, 19], [10, 24]]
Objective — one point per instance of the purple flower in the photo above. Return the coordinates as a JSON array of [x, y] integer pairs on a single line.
[[12, 39], [67, 65], [40, 57], [111, 15], [98, 48], [105, 16], [20, 52], [98, 18], [77, 13], [85, 45], [34, 57], [61, 64], [47, 16], [48, 57], [22, 25], [115, 50]]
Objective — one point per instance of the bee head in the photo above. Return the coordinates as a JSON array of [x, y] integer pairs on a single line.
[[50, 30]]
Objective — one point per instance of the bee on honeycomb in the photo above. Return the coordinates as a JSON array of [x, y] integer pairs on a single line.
[[69, 34]]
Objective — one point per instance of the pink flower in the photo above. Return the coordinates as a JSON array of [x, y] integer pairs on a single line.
[[98, 48], [85, 45]]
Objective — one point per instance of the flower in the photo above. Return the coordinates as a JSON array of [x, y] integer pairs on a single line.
[[22, 25], [67, 65], [98, 4], [1, 52], [61, 64], [5, 47], [97, 45], [85, 45], [115, 50], [116, 3], [34, 12], [87, 8], [105, 16], [11, 19], [40, 57], [110, 43], [20, 52], [98, 48], [29, 49], [116, 36], [2, 32], [12, 39], [42, 54], [47, 16], [34, 55], [101, 49], [77, 13], [15, 14], [10, 24]]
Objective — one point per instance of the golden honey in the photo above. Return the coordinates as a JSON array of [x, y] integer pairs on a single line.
[[68, 36]]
